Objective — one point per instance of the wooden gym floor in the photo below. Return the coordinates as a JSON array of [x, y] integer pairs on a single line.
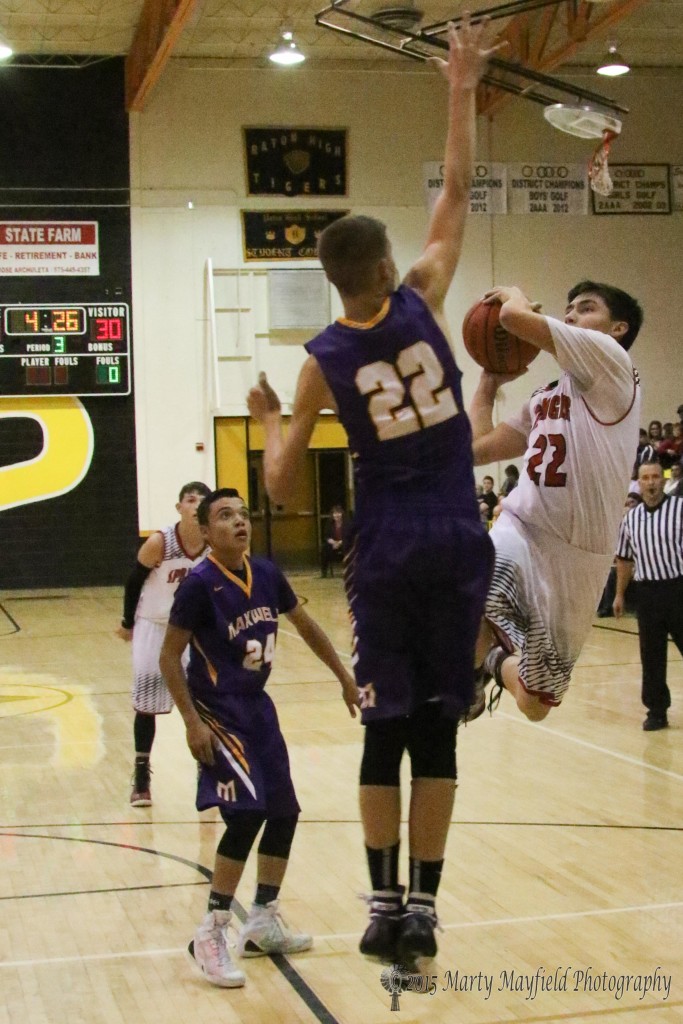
[[562, 895]]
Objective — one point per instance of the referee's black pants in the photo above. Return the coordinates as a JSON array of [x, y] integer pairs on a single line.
[[660, 614]]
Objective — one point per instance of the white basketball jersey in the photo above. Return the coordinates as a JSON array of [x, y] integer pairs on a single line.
[[161, 584], [582, 435]]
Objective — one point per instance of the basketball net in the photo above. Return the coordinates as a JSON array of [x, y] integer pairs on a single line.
[[598, 170], [588, 122]]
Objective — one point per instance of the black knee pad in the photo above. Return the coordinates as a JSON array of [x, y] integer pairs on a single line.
[[431, 743], [277, 837], [385, 742], [238, 838]]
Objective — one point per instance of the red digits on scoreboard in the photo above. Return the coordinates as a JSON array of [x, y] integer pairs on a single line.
[[108, 329]]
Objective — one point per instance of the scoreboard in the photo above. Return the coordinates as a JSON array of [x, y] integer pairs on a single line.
[[77, 349]]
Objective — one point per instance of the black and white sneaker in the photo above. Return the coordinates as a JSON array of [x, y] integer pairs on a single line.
[[380, 936], [416, 944]]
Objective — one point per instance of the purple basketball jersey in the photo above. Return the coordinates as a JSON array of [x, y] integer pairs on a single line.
[[399, 397], [234, 628]]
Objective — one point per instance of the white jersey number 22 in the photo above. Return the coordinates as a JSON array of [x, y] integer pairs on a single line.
[[430, 402]]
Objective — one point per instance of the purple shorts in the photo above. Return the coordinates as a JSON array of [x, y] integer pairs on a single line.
[[416, 589], [251, 769]]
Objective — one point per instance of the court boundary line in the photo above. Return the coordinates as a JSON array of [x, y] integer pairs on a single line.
[[626, 758], [500, 922], [304, 991]]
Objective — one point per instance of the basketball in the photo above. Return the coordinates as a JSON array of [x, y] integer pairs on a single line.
[[490, 345]]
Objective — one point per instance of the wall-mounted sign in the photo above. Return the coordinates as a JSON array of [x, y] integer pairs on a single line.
[[49, 248], [547, 188], [638, 188], [677, 186], [295, 161], [488, 193], [284, 234]]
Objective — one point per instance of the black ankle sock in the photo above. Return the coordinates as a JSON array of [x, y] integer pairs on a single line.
[[219, 901], [265, 894], [142, 771], [383, 867], [425, 876]]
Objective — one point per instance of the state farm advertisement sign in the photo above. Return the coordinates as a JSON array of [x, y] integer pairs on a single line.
[[45, 247]]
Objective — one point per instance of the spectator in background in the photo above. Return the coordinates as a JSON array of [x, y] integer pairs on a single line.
[[654, 432], [674, 485], [670, 450], [679, 413], [334, 540], [645, 452], [510, 482], [488, 496]]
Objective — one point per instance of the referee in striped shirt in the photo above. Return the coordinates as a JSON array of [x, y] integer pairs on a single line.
[[651, 544]]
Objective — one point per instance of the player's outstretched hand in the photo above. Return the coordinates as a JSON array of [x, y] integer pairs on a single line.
[[469, 50], [350, 694], [262, 399]]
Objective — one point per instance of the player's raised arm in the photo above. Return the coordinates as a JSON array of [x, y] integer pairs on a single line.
[[492, 443], [285, 455], [467, 58]]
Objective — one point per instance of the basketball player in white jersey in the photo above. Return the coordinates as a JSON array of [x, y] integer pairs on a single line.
[[164, 559], [555, 536]]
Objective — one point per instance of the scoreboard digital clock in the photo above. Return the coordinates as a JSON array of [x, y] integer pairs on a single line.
[[77, 349]]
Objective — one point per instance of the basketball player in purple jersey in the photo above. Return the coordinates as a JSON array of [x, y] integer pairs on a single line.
[[419, 559], [228, 612]]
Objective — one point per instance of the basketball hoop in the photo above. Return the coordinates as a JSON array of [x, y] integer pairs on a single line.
[[587, 122]]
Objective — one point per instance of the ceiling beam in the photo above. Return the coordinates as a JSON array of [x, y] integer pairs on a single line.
[[159, 29], [528, 40]]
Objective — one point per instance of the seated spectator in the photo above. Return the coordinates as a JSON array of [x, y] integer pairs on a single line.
[[645, 452], [608, 594], [334, 540], [679, 413], [672, 484], [488, 496], [670, 451], [654, 432], [510, 482]]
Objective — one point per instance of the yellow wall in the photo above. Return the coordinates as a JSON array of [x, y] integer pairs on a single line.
[[231, 453], [327, 433]]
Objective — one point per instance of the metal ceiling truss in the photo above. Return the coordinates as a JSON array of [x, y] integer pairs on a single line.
[[70, 62], [523, 71]]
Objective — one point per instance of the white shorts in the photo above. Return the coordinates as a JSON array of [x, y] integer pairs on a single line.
[[150, 694], [544, 596]]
